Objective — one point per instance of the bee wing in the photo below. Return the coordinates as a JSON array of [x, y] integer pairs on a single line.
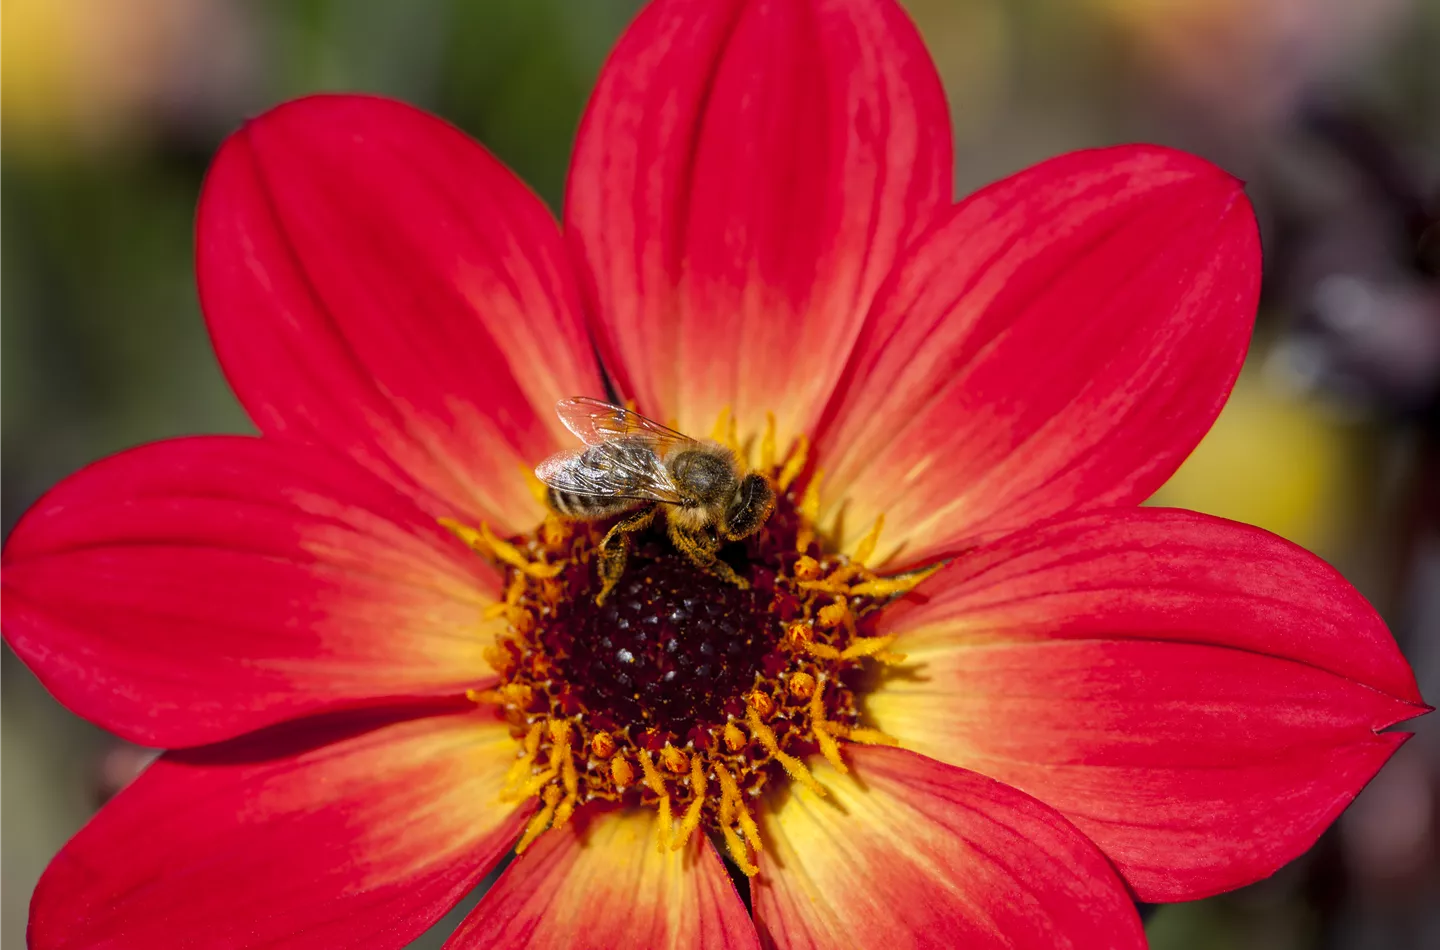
[[610, 470], [595, 423]]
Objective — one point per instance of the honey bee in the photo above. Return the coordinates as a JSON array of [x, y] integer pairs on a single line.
[[635, 466]]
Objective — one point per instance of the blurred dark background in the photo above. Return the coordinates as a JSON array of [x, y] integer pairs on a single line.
[[1330, 109]]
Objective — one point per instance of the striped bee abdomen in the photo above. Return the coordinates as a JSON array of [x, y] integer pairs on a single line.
[[587, 507]]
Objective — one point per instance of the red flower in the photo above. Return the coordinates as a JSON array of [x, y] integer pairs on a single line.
[[1090, 700]]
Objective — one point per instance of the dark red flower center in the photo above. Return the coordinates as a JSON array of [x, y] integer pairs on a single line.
[[682, 690], [670, 649]]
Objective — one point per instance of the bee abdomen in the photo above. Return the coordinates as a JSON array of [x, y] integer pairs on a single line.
[[587, 507]]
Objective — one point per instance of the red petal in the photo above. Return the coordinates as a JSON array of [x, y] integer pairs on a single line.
[[746, 175], [305, 837], [1199, 697], [1061, 341], [603, 883], [912, 853], [188, 591], [377, 282]]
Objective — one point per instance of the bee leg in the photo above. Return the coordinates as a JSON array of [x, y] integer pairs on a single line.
[[702, 550], [615, 549]]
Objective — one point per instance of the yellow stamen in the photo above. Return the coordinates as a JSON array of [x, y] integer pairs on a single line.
[[651, 775], [691, 821], [536, 486], [497, 658], [870, 737], [747, 825], [664, 823], [729, 793], [570, 778], [806, 568], [469, 535], [793, 766], [866, 547], [866, 646], [738, 854], [833, 615], [560, 739], [826, 585], [722, 425], [821, 729], [536, 783], [515, 591], [767, 444], [809, 511], [529, 749], [510, 554], [541, 821], [552, 531], [622, 771], [656, 784], [563, 764], [888, 586], [518, 695], [822, 651], [795, 464], [674, 760], [734, 738], [726, 431], [484, 542], [563, 813], [732, 807], [829, 748]]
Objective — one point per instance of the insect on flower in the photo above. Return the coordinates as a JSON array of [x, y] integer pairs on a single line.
[[633, 462]]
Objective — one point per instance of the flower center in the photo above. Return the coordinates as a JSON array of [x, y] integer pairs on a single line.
[[682, 690], [670, 646]]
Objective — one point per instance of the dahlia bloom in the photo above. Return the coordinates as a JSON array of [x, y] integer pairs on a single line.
[[968, 695]]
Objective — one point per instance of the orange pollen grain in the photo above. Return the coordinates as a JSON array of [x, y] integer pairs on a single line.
[[602, 745], [801, 685], [622, 772], [761, 703], [674, 760]]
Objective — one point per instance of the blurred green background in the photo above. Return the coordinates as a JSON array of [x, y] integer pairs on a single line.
[[1330, 109]]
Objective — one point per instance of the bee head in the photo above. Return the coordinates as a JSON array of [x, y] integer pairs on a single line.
[[707, 478], [752, 503]]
